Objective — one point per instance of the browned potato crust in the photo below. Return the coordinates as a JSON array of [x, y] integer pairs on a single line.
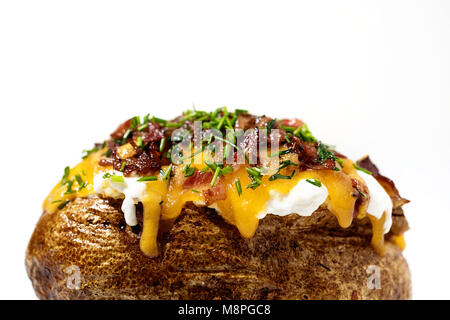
[[202, 257]]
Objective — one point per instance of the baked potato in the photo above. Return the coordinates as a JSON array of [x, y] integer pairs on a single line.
[[84, 247]]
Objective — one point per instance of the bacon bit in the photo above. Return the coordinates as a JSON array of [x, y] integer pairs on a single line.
[[141, 165], [245, 121], [197, 179], [261, 122], [214, 194], [126, 151], [153, 133], [292, 122], [106, 162], [385, 182], [120, 131]]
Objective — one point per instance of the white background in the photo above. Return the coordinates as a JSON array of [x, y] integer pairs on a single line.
[[368, 76]]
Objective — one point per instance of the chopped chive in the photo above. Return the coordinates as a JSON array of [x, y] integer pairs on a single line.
[[188, 171], [139, 142], [361, 169], [65, 176], [281, 176], [270, 125], [221, 123], [135, 121], [146, 118], [340, 161], [205, 169], [281, 153], [56, 201], [216, 174], [315, 182], [119, 179], [166, 175], [108, 153], [174, 125], [69, 187], [286, 136], [226, 170], [79, 180], [123, 166], [255, 174], [107, 175], [288, 129], [159, 120], [126, 135], [162, 144], [238, 186], [240, 111], [142, 127], [147, 178], [62, 205], [196, 191]]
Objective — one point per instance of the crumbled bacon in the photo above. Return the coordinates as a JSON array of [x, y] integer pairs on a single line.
[[245, 121], [261, 122], [153, 133], [214, 194], [197, 179], [292, 122], [142, 164], [385, 182], [120, 131]]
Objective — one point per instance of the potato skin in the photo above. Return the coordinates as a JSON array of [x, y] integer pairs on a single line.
[[203, 257]]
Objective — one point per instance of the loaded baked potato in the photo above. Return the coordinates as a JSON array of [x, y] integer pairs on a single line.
[[219, 205]]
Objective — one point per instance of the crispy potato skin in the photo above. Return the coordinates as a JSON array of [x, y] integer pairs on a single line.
[[203, 257]]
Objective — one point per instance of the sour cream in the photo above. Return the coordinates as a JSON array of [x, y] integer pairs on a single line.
[[130, 191], [379, 202], [303, 199]]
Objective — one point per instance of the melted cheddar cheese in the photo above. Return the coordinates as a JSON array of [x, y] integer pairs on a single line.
[[163, 200]]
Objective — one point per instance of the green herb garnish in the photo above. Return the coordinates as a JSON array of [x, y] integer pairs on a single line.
[[361, 169], [162, 144], [62, 205], [65, 176], [147, 178], [166, 175], [118, 179], [139, 142], [238, 186], [255, 174], [315, 182], [323, 153], [216, 174]]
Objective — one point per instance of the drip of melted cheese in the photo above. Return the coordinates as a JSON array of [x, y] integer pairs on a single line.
[[163, 200]]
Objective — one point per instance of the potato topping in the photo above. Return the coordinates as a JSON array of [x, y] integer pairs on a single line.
[[126, 151]]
